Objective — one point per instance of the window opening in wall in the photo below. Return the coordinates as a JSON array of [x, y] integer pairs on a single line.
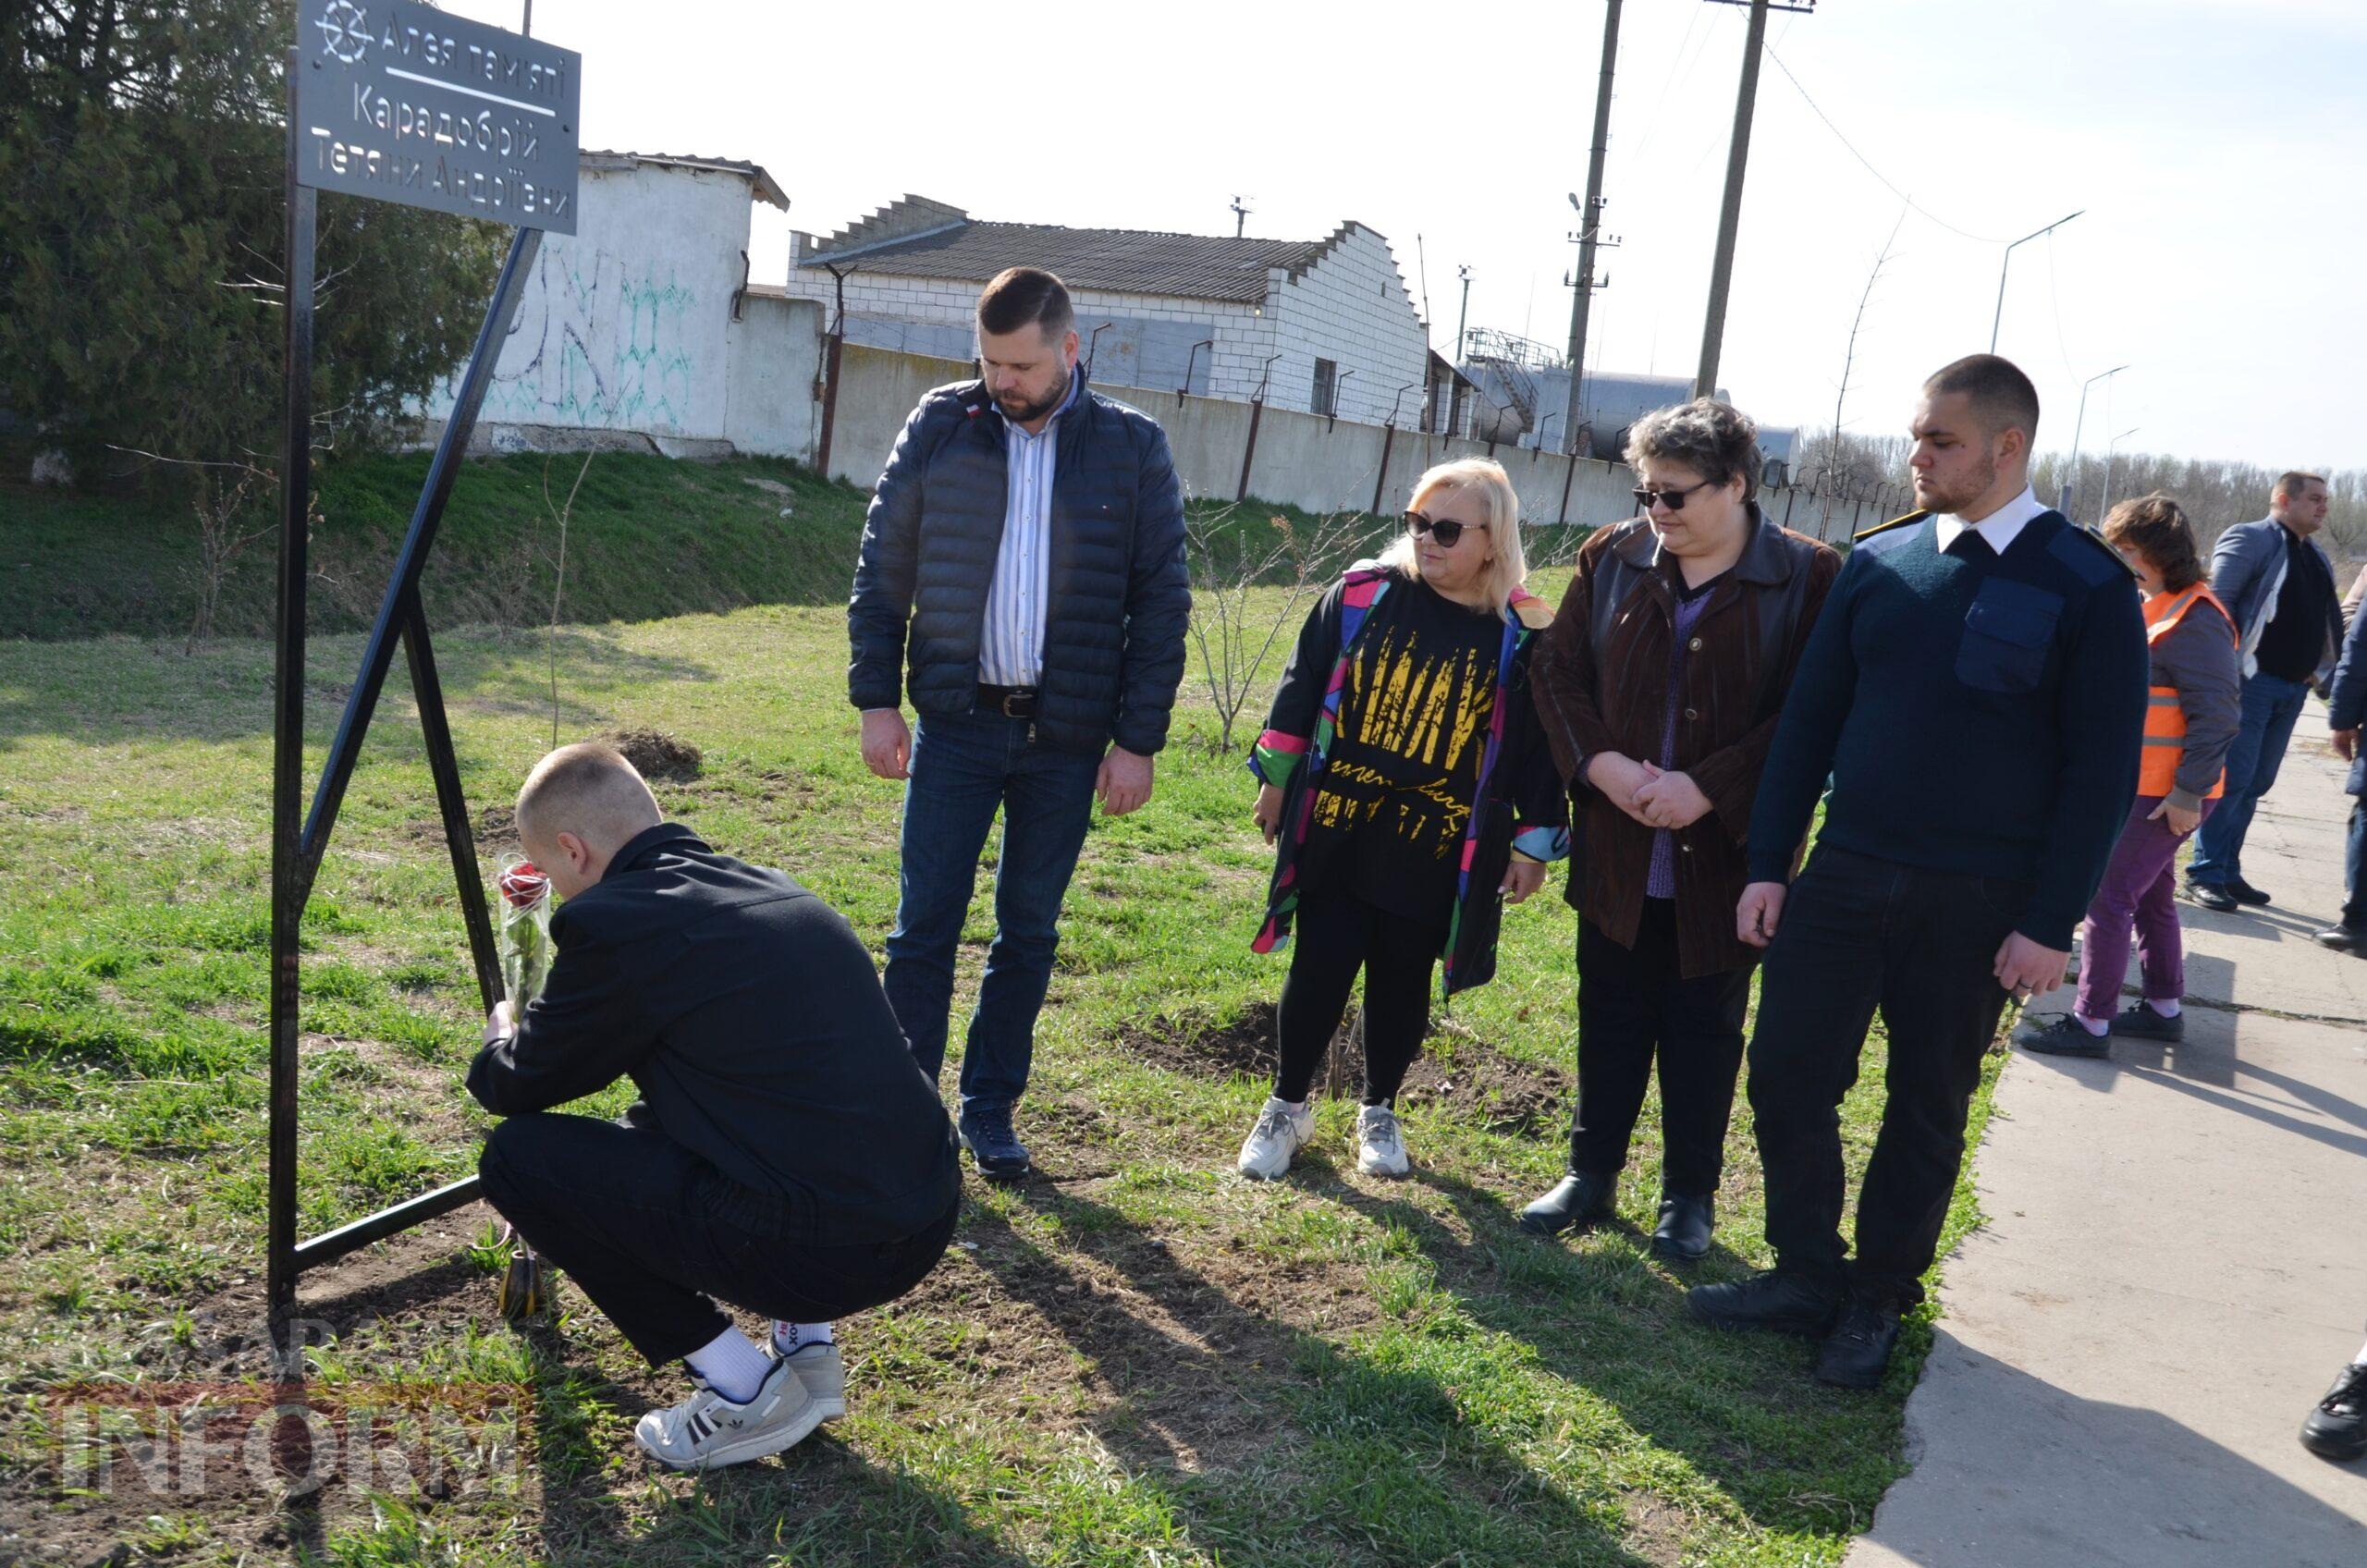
[[1327, 389]]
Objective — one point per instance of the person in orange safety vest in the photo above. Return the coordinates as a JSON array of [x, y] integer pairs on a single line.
[[2197, 699]]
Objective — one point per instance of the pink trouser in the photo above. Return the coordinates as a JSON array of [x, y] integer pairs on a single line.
[[2136, 895]]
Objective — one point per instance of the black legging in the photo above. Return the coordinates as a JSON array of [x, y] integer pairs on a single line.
[[1335, 934]]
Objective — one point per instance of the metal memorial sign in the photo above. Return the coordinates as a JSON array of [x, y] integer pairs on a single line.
[[405, 103]]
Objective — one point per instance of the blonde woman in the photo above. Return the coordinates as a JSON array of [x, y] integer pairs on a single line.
[[1405, 783]]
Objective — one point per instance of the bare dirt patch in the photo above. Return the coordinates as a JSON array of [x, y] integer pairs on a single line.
[[1463, 1075], [658, 756]]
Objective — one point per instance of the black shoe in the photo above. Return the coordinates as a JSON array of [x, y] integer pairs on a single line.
[[2245, 893], [1857, 1354], [1001, 1157], [1780, 1300], [2062, 1036], [2344, 938], [2139, 1021], [1683, 1234], [1580, 1198], [2210, 895], [2337, 1427]]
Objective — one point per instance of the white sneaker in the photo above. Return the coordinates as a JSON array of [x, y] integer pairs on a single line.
[[1380, 1146], [824, 1373], [707, 1430], [1279, 1133]]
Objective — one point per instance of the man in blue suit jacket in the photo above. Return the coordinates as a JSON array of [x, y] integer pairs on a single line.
[[2350, 706]]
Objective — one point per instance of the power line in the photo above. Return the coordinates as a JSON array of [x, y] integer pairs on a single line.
[[1862, 159]]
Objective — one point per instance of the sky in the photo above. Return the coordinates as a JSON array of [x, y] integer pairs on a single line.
[[2212, 148]]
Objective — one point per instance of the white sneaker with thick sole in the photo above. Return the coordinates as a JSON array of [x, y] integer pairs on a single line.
[[824, 1373], [1279, 1133], [1381, 1145], [707, 1430]]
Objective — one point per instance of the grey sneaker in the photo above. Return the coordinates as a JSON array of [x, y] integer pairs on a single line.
[[824, 1373], [1279, 1133], [706, 1430], [1381, 1145]]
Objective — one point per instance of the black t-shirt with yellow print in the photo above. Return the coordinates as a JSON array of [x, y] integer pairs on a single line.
[[1395, 799]]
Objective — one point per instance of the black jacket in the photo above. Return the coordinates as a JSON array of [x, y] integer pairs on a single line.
[[752, 1021], [1117, 600]]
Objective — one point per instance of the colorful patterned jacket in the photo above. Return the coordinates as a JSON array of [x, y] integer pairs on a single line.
[[1520, 808]]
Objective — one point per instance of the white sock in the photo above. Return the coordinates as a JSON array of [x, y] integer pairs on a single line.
[[2167, 1009], [2091, 1026], [790, 1338], [732, 1364]]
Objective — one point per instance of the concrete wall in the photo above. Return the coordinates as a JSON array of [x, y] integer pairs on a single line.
[[626, 324], [774, 403], [1301, 459]]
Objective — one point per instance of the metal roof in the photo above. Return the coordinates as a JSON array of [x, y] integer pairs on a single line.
[[917, 238], [767, 188]]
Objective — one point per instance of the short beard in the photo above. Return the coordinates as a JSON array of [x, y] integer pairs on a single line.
[[1953, 502], [1029, 414]]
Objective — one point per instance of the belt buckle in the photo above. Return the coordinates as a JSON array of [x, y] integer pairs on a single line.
[[1014, 701]]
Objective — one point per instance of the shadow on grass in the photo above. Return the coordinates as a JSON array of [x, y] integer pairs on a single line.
[[1739, 1407], [118, 690], [1267, 1442]]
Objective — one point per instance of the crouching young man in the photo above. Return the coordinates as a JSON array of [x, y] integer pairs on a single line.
[[787, 1154]]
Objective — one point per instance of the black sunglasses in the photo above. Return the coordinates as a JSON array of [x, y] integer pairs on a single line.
[[1445, 532], [1672, 499]]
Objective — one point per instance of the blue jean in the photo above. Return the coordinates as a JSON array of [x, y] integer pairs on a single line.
[[962, 770], [2272, 706]]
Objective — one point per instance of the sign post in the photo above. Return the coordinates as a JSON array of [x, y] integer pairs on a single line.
[[395, 102]]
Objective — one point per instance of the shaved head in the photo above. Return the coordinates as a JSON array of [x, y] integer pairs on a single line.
[[590, 793]]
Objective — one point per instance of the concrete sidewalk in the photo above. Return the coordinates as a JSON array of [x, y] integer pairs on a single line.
[[2173, 1265]]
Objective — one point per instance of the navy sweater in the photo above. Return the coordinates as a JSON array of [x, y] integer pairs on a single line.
[[1980, 715]]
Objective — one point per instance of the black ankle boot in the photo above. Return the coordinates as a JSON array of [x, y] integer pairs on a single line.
[[1580, 1198], [1683, 1234], [1785, 1301]]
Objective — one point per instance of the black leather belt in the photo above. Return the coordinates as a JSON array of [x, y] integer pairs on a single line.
[[1011, 701]]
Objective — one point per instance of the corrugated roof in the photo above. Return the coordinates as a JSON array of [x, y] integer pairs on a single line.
[[952, 245], [767, 188]]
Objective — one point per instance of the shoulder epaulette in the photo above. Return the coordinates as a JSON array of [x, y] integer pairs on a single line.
[[1895, 522], [2084, 551]]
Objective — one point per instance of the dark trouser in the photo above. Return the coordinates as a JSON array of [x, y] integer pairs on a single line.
[[963, 769], [1632, 1004], [649, 1231], [2272, 706], [2135, 896], [1858, 934], [2354, 903], [1335, 934]]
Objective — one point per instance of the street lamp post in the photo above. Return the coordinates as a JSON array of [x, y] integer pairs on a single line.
[[2063, 503], [1999, 318], [2104, 509]]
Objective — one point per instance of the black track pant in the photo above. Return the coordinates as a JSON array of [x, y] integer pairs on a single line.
[[1335, 934]]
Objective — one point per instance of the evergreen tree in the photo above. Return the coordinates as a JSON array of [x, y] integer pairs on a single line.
[[142, 152]]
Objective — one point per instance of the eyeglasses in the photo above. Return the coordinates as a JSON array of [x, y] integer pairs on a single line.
[[1446, 532], [1672, 499]]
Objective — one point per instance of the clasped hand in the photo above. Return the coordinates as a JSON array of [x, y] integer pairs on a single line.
[[1651, 795]]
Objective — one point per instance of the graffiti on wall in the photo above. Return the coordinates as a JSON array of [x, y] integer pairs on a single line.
[[597, 346]]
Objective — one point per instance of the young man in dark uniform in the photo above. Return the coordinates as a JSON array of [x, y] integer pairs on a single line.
[[1975, 689], [788, 1154]]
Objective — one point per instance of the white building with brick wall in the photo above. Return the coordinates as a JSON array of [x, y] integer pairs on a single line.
[[1323, 325]]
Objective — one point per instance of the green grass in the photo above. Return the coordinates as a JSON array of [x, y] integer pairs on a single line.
[[1140, 1361]]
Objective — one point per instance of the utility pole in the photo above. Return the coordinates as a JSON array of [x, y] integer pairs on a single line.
[[1590, 225], [1240, 217], [1463, 315], [1721, 269], [2063, 503], [2104, 507], [1998, 319]]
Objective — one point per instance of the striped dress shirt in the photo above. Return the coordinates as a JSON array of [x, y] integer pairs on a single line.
[[1011, 643]]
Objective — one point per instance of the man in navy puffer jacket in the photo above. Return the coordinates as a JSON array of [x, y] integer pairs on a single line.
[[1023, 557]]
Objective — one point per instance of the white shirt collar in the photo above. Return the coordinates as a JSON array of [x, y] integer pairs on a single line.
[[2000, 527]]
